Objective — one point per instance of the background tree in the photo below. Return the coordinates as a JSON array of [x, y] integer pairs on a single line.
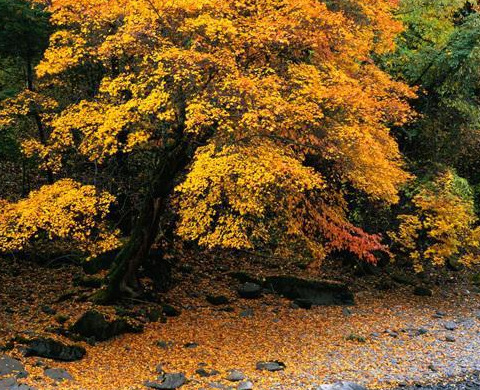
[[24, 33], [439, 52]]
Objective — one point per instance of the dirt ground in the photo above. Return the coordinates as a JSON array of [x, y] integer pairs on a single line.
[[388, 338]]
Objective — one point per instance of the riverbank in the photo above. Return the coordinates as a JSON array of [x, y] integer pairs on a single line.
[[386, 339]]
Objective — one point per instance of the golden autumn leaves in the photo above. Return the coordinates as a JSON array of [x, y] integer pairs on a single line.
[[66, 213], [442, 225], [283, 95]]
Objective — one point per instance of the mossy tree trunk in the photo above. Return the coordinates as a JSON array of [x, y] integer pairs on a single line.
[[123, 275], [173, 161]]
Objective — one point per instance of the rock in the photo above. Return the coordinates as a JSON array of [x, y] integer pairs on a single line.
[[247, 385], [164, 344], [235, 376], [450, 339], [48, 310], [247, 313], [356, 338], [270, 366], [439, 314], [191, 345], [169, 382], [10, 366], [205, 374], [421, 331], [61, 318], [402, 278], [450, 325], [422, 291], [218, 300], [8, 346], [341, 386], [303, 303], [52, 349], [346, 312], [8, 383], [154, 314], [170, 311], [250, 290], [94, 324], [218, 385], [318, 292], [391, 333], [58, 374], [227, 309]]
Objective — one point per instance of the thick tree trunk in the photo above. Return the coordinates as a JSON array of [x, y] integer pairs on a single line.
[[123, 276]]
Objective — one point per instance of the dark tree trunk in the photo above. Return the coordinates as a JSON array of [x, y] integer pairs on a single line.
[[36, 116], [123, 276]]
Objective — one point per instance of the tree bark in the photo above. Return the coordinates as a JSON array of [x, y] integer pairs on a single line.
[[36, 116], [123, 275]]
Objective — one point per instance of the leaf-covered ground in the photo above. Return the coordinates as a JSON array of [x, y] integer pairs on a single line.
[[398, 337]]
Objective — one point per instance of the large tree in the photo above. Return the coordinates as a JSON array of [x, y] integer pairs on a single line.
[[250, 117]]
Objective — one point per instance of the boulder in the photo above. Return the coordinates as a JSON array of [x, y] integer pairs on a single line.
[[93, 324], [53, 349], [318, 292], [250, 290]]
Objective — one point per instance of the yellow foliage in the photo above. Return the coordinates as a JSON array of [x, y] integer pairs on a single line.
[[69, 214], [236, 198], [266, 84], [443, 226]]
